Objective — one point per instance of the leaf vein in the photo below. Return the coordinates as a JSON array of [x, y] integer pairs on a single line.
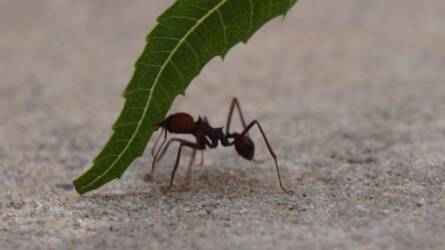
[[224, 31], [137, 90]]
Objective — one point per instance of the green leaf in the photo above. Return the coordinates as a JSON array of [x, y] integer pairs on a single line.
[[188, 35]]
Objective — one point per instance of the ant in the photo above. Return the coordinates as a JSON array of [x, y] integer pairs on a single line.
[[206, 136]]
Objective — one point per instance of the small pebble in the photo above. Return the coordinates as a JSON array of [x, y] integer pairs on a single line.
[[420, 202], [17, 204]]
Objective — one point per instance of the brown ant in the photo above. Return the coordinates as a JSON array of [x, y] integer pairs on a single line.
[[207, 136]]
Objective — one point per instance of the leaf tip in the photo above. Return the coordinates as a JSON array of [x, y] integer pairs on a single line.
[[77, 186]]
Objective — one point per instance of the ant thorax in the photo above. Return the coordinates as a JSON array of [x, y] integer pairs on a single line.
[[206, 134]]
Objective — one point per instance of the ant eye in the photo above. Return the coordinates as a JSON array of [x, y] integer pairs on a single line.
[[244, 146]]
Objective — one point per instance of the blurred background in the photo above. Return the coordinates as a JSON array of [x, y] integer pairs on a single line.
[[351, 94]]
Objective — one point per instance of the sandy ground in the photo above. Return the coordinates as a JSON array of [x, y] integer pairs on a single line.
[[351, 94]]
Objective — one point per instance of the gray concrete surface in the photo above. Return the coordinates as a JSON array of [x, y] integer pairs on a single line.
[[350, 92]]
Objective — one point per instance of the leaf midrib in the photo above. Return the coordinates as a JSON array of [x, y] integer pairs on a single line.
[[155, 83]]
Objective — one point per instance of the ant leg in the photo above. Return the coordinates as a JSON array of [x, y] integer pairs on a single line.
[[150, 175], [156, 143], [188, 175], [201, 163], [272, 153], [182, 143], [233, 105], [192, 158], [164, 150], [158, 156]]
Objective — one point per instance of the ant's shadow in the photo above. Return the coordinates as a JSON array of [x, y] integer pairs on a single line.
[[223, 181], [206, 184]]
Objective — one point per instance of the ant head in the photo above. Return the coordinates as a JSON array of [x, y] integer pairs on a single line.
[[244, 146], [178, 123]]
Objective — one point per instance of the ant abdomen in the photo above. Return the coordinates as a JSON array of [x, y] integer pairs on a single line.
[[244, 146], [179, 123]]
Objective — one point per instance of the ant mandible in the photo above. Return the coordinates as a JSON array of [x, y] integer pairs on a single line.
[[207, 136]]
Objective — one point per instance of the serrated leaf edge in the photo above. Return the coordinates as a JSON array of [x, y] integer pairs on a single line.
[[155, 83]]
